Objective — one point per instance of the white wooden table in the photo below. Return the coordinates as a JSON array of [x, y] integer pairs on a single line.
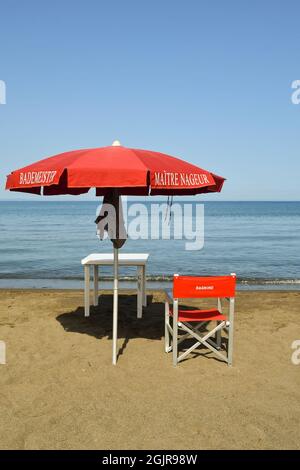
[[106, 259]]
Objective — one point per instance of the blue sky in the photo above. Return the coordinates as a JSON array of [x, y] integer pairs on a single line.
[[209, 81]]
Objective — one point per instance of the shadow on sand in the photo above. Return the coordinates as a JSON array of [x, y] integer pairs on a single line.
[[99, 323]]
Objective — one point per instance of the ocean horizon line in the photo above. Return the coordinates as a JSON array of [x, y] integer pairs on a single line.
[[149, 199]]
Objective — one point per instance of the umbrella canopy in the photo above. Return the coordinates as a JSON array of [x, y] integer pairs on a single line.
[[113, 171], [132, 171]]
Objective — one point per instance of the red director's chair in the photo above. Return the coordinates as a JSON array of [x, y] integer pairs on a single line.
[[190, 321]]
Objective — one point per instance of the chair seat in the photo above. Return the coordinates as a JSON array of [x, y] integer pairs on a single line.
[[200, 315]]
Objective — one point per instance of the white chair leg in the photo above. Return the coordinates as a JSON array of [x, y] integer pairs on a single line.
[[95, 285], [230, 332], [218, 337], [175, 332], [86, 290], [219, 332]]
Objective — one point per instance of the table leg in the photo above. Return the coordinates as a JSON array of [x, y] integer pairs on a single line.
[[139, 292], [144, 286], [95, 285], [87, 290]]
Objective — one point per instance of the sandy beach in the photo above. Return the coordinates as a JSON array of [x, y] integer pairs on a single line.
[[60, 391]]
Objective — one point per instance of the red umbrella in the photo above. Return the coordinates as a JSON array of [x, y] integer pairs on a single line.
[[130, 171]]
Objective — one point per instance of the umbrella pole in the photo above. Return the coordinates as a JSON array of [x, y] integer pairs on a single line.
[[115, 308]]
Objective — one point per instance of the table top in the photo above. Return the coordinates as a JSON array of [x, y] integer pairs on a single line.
[[134, 259]]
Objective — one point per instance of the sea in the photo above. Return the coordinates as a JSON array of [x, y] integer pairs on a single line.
[[42, 243]]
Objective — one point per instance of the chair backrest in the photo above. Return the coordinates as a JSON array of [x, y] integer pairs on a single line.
[[185, 287]]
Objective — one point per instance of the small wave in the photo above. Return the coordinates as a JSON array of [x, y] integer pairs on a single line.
[[151, 278], [263, 281]]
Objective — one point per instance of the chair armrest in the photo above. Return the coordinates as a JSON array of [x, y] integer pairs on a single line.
[[169, 296]]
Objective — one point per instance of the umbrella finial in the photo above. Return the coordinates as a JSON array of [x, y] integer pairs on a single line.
[[116, 143]]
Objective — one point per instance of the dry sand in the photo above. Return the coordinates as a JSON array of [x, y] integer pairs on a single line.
[[60, 391]]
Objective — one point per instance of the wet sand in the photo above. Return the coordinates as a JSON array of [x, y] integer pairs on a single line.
[[60, 391]]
